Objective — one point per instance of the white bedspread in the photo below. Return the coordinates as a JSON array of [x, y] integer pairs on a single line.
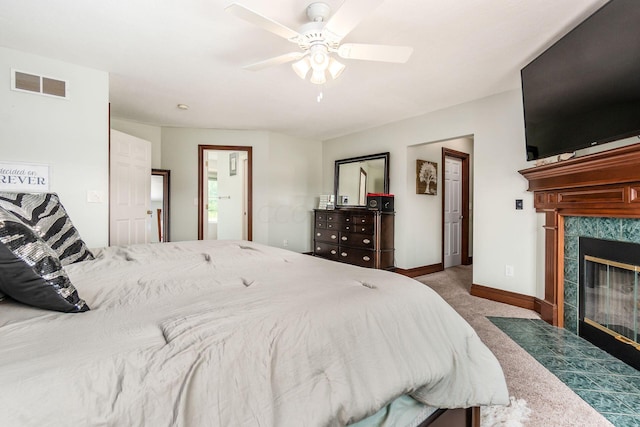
[[236, 334]]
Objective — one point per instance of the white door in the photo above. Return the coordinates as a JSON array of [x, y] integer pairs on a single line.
[[130, 186], [452, 212]]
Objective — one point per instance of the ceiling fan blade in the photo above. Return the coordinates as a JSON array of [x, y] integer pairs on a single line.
[[277, 60], [375, 52], [349, 16], [261, 21]]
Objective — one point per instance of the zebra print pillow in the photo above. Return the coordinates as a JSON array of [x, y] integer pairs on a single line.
[[30, 271], [44, 213]]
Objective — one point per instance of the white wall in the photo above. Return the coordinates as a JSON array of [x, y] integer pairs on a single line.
[[501, 235], [286, 178], [295, 183], [70, 135]]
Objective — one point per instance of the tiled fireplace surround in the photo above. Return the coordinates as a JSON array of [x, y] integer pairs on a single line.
[[594, 196], [618, 229]]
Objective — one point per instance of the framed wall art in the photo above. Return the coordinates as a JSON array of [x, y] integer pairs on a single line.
[[426, 177]]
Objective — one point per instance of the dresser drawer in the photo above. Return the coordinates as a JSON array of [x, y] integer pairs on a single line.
[[358, 228], [334, 217], [327, 235], [334, 226], [357, 240], [361, 257], [362, 219], [326, 250]]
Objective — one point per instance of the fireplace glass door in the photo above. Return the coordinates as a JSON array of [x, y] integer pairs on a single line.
[[611, 297], [609, 305]]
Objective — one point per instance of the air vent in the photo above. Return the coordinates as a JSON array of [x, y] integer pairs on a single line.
[[33, 83]]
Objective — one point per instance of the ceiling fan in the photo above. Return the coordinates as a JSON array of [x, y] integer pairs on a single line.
[[321, 37]]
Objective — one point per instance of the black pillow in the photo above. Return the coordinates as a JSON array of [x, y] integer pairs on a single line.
[[30, 271], [44, 213]]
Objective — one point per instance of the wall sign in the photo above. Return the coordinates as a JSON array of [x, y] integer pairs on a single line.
[[24, 177]]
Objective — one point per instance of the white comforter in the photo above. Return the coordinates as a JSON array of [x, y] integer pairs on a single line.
[[236, 334]]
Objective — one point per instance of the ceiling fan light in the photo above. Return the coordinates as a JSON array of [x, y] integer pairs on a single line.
[[335, 68], [318, 77], [319, 57], [302, 67]]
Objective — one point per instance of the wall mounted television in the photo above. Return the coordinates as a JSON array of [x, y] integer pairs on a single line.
[[585, 89]]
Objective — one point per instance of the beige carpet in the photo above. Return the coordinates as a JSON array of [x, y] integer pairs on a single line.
[[552, 403]]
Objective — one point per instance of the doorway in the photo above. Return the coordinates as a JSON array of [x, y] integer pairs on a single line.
[[224, 192], [455, 208], [160, 196]]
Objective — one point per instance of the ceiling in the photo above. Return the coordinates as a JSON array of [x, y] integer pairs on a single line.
[[160, 53]]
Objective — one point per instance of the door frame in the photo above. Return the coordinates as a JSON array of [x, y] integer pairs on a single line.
[[464, 234], [166, 195], [201, 202]]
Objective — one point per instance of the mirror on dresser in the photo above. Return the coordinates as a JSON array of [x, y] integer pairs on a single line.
[[357, 176]]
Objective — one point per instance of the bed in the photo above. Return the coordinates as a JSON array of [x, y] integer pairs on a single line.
[[232, 333]]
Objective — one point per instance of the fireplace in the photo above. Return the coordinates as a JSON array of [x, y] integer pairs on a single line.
[[601, 189], [609, 305]]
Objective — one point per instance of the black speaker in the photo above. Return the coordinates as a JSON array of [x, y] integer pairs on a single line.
[[380, 202]]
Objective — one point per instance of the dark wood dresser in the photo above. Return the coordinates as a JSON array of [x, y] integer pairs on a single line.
[[356, 236]]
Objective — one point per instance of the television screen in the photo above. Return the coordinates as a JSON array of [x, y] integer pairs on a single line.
[[585, 89]]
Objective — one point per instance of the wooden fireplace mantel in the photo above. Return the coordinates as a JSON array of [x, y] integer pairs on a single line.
[[605, 184]]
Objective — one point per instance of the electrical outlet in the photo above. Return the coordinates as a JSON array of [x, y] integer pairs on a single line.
[[508, 270], [285, 243]]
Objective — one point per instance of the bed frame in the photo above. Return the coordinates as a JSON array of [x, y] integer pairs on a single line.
[[462, 417]]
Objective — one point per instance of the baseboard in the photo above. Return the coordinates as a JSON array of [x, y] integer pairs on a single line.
[[420, 271], [549, 312], [507, 297]]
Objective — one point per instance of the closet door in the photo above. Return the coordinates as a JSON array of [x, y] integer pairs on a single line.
[[130, 187]]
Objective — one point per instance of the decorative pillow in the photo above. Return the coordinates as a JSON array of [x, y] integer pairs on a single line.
[[30, 271], [44, 213]]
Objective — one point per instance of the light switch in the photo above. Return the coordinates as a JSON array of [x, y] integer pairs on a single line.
[[95, 196]]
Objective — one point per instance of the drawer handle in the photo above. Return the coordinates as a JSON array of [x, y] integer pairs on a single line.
[[363, 229], [318, 234], [347, 220], [334, 237], [344, 238], [329, 225], [344, 254], [318, 249], [333, 252], [363, 220], [320, 224], [366, 241], [366, 258], [347, 228]]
